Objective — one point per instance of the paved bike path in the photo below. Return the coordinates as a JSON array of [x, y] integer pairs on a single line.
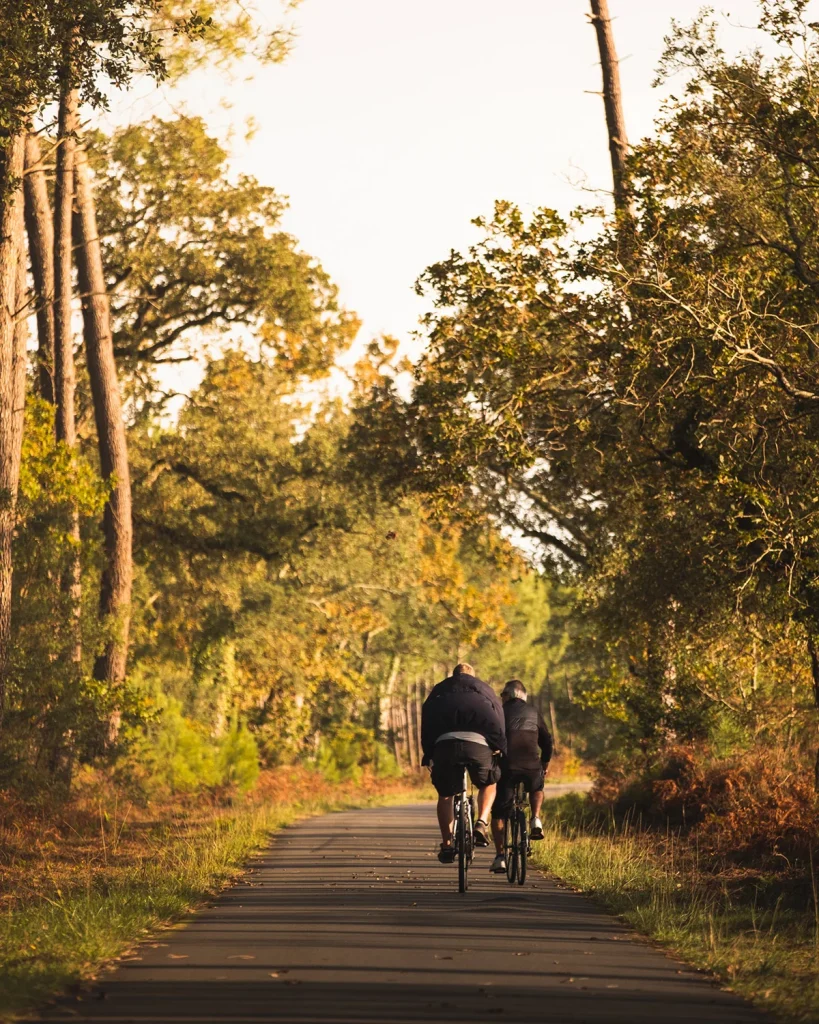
[[350, 918]]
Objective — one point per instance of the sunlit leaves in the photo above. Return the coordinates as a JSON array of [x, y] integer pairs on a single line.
[[194, 254]]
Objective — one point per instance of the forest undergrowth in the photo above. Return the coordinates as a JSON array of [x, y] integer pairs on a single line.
[[81, 884], [714, 859]]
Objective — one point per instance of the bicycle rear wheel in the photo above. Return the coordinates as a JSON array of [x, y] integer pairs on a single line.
[[523, 847], [464, 844], [511, 844]]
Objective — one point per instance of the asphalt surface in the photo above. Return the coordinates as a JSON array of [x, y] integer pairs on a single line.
[[351, 918]]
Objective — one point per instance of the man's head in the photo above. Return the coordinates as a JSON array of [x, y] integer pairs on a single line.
[[514, 688], [463, 670]]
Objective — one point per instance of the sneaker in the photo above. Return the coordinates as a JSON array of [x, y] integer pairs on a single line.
[[536, 831], [498, 866], [480, 834], [446, 854]]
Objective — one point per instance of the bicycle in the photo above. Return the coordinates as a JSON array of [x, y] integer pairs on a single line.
[[462, 837], [516, 837]]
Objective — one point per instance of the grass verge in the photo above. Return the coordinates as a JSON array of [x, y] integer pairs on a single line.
[[85, 893], [759, 935]]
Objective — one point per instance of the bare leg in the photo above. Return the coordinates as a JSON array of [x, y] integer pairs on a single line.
[[446, 817], [486, 797], [498, 827], [536, 802]]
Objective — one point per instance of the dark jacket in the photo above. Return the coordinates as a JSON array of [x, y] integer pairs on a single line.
[[528, 739], [464, 704]]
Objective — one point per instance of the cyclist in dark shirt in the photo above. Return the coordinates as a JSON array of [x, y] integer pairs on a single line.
[[462, 727], [529, 750]]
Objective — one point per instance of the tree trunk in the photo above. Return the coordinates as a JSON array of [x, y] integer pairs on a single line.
[[12, 377], [389, 687], [64, 373], [813, 651], [411, 745], [395, 735], [553, 720], [40, 230], [416, 718], [613, 102], [385, 726], [117, 577]]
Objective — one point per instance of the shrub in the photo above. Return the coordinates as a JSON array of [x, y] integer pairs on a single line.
[[756, 808], [237, 759], [351, 749]]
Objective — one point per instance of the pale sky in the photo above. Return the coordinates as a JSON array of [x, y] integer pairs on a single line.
[[395, 122]]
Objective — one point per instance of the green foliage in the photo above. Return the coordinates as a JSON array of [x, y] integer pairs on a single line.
[[238, 758], [231, 30], [272, 586], [177, 755], [192, 252], [342, 756], [284, 607], [172, 753], [48, 696], [92, 44], [649, 424]]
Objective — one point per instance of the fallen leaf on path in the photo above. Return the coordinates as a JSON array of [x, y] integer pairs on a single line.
[[242, 956], [178, 956]]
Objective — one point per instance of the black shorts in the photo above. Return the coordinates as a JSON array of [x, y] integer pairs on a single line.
[[532, 778], [449, 759]]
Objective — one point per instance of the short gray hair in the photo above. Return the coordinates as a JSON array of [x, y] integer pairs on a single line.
[[463, 670]]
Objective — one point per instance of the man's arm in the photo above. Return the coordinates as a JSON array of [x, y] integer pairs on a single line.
[[496, 734], [429, 730], [544, 741]]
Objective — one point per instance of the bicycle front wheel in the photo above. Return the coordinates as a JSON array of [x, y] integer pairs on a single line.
[[464, 845], [523, 847]]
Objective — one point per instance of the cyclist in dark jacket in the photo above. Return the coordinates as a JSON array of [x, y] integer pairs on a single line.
[[462, 726], [529, 752]]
